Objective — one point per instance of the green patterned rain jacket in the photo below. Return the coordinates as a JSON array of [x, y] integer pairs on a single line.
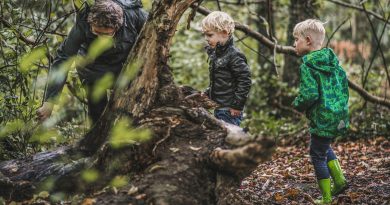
[[323, 93]]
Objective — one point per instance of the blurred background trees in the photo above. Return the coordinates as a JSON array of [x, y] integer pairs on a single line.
[[32, 30]]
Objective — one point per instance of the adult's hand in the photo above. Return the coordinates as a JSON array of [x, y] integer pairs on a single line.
[[44, 112]]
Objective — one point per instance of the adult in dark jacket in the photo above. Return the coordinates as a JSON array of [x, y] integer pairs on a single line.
[[120, 19]]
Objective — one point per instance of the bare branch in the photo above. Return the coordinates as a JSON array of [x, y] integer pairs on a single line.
[[378, 41], [243, 157], [242, 3], [256, 35], [367, 96], [377, 16], [338, 27], [290, 50]]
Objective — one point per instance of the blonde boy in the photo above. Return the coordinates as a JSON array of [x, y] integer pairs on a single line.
[[323, 95], [230, 78]]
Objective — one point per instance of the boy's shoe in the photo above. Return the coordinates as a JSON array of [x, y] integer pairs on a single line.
[[324, 185], [340, 183]]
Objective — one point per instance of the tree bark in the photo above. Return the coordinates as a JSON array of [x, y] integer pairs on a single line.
[[299, 10], [192, 158]]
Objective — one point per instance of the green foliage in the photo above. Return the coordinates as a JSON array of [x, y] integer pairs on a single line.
[[24, 73], [191, 71], [43, 136], [47, 185], [34, 56], [101, 86], [98, 46], [119, 181], [11, 127], [269, 124], [57, 197], [90, 175], [128, 74], [147, 4], [122, 134]]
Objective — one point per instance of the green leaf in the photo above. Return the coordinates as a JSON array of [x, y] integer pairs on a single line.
[[101, 86], [147, 4], [119, 181], [42, 135], [77, 4], [122, 134], [35, 55], [11, 127], [90, 175], [57, 197], [129, 73], [98, 46], [47, 184], [44, 194]]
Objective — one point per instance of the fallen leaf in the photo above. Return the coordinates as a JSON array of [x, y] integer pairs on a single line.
[[173, 149], [115, 190], [132, 190], [278, 197], [140, 196], [89, 201], [195, 148], [156, 167]]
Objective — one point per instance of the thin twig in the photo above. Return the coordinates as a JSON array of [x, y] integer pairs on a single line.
[[378, 41], [367, 96], [162, 140], [269, 19], [358, 8], [219, 5], [240, 3], [256, 35], [255, 51], [338, 27], [290, 50]]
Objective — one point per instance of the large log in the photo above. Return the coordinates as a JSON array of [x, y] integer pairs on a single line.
[[192, 157]]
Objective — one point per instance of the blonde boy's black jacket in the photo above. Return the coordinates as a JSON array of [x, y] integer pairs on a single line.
[[80, 38], [230, 77]]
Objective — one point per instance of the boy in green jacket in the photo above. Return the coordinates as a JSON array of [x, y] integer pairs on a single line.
[[323, 95]]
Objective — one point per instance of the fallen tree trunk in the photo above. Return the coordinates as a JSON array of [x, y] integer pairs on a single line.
[[192, 158]]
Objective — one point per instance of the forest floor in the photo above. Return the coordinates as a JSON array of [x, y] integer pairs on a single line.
[[289, 177]]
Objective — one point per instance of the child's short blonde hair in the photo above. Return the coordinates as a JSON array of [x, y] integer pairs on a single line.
[[311, 27], [218, 21]]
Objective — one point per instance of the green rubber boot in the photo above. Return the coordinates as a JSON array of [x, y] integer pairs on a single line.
[[340, 184], [324, 185]]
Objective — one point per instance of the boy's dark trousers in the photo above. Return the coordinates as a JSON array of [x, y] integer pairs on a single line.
[[321, 153], [224, 114]]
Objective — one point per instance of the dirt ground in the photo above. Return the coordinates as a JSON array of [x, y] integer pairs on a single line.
[[289, 177]]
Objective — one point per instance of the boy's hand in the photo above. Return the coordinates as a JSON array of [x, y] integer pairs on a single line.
[[44, 112], [234, 112]]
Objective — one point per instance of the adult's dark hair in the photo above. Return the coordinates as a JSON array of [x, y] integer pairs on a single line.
[[107, 14]]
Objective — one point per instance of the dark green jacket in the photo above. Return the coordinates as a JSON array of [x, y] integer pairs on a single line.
[[323, 93], [81, 37]]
